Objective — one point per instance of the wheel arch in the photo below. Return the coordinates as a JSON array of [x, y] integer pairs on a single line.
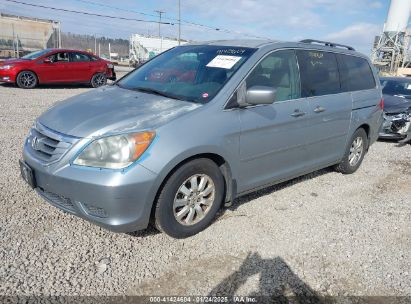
[[220, 161], [28, 70], [366, 127]]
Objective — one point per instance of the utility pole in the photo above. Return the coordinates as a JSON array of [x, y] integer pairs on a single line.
[[95, 44], [179, 22], [159, 29], [18, 49], [59, 31]]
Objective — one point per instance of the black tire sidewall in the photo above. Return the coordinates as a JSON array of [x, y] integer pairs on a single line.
[[164, 215], [345, 166], [20, 85], [95, 75]]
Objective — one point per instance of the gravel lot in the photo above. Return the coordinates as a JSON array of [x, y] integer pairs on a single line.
[[325, 232]]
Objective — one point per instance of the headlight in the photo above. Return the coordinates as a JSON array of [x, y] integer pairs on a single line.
[[115, 152], [110, 65], [6, 67]]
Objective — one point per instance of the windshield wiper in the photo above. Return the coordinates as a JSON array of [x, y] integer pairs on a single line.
[[157, 92]]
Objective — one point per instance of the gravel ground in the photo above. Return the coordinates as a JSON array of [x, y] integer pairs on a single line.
[[324, 233]]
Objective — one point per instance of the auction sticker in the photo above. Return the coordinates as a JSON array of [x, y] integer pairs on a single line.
[[223, 61]]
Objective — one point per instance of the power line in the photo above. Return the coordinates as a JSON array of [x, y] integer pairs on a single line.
[[208, 27], [190, 23], [87, 13]]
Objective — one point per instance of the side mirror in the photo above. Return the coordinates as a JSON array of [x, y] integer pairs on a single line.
[[257, 95], [47, 60]]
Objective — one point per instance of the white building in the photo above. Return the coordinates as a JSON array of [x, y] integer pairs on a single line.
[[146, 47]]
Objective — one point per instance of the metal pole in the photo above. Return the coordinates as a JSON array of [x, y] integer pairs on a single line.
[[59, 34], [14, 41], [159, 29], [18, 50], [95, 44], [109, 50], [179, 22], [99, 50]]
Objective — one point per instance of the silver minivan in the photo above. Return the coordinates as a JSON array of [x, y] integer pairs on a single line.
[[198, 126]]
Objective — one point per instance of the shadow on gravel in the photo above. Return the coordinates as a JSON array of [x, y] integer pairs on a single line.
[[394, 141], [269, 190], [64, 86], [149, 231], [277, 282], [44, 86]]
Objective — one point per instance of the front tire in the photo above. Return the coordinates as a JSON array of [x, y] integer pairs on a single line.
[[98, 80], [190, 199], [354, 154], [27, 80]]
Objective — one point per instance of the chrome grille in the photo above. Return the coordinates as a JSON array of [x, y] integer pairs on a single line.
[[47, 145]]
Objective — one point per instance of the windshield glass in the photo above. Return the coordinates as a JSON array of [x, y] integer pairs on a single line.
[[192, 73], [396, 87], [35, 55]]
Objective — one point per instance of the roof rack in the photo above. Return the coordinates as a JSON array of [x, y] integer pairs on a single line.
[[327, 43]]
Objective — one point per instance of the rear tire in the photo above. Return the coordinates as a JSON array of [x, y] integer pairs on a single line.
[[27, 80], [98, 80], [190, 199], [354, 154]]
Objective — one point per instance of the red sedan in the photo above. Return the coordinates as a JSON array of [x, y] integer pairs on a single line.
[[57, 66]]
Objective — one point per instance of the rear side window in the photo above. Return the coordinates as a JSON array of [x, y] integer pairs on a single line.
[[319, 73], [356, 73]]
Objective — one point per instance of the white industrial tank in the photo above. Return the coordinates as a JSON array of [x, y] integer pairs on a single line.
[[398, 16]]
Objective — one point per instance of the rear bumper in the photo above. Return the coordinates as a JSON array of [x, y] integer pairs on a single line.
[[112, 75], [118, 201]]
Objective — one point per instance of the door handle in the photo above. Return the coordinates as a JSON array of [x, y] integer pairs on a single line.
[[319, 109], [297, 113]]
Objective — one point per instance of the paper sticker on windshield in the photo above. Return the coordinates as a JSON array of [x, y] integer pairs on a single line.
[[223, 61]]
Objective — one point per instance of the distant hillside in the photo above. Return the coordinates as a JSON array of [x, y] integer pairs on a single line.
[[84, 42]]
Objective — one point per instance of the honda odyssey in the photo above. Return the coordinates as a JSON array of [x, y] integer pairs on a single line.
[[202, 124]]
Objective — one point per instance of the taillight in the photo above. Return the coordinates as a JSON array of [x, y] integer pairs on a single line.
[[381, 104]]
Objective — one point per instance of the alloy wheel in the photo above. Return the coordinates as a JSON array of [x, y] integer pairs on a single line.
[[27, 79], [194, 199], [99, 80], [356, 151]]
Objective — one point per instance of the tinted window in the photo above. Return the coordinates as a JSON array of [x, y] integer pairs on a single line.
[[319, 73], [279, 71], [355, 73], [79, 57]]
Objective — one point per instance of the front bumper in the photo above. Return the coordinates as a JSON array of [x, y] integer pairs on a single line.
[[7, 76], [120, 201], [396, 127]]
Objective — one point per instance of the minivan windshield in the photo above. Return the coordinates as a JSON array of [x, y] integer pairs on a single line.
[[192, 73], [35, 55]]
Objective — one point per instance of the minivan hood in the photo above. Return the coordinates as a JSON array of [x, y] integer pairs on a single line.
[[111, 109]]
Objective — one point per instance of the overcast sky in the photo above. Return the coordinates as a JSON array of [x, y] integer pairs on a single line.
[[353, 22]]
